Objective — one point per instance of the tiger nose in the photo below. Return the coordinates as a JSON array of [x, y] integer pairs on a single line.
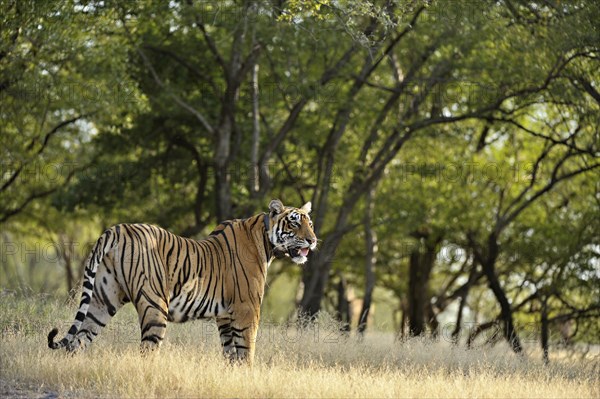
[[311, 240]]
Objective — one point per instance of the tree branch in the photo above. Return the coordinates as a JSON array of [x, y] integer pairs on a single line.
[[183, 62], [563, 142], [203, 121], [211, 44], [202, 181], [176, 98], [6, 214], [45, 142], [507, 218]]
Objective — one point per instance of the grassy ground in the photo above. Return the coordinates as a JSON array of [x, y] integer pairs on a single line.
[[316, 363]]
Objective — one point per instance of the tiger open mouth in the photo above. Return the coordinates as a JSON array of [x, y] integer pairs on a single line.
[[298, 252]]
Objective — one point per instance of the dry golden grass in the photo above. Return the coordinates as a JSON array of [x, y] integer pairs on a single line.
[[315, 363]]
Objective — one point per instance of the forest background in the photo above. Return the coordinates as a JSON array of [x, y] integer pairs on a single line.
[[450, 150]]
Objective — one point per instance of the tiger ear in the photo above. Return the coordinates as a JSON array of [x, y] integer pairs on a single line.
[[276, 207], [307, 207]]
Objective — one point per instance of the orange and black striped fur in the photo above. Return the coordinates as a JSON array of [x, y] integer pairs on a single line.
[[171, 278]]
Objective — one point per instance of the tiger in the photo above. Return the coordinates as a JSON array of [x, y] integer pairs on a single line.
[[169, 278]]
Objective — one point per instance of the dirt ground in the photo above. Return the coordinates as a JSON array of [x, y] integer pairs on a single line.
[[17, 390]]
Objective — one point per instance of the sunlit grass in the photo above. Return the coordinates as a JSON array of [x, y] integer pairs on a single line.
[[313, 363]]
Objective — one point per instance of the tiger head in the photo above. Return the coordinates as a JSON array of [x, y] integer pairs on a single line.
[[291, 231]]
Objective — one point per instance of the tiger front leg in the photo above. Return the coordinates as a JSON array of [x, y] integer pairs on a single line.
[[226, 335], [238, 335]]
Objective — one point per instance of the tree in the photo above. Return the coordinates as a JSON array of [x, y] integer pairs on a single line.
[[52, 101], [418, 79], [370, 262]]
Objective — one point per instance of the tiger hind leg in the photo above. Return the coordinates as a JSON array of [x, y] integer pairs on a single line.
[[107, 299], [153, 322]]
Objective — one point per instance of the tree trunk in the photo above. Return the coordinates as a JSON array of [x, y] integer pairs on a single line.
[[461, 305], [202, 169], [432, 321], [310, 303], [544, 332], [67, 252], [420, 264], [506, 316], [370, 261], [254, 177], [222, 172], [416, 295], [68, 267], [403, 316], [316, 271], [344, 315]]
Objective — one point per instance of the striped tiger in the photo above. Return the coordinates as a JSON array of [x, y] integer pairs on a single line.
[[172, 278]]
